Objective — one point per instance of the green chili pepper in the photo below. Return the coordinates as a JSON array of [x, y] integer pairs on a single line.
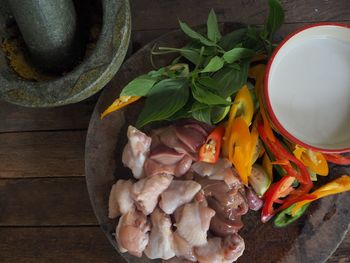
[[285, 217]]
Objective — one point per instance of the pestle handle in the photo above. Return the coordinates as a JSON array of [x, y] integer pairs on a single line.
[[49, 29]]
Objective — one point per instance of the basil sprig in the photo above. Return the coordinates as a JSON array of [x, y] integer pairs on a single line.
[[208, 71]]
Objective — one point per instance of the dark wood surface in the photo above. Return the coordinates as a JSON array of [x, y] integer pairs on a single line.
[[45, 213]]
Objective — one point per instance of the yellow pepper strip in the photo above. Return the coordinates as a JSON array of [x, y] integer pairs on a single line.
[[243, 105], [315, 161], [258, 73], [267, 166], [254, 141], [241, 147], [339, 185], [244, 102], [119, 103]]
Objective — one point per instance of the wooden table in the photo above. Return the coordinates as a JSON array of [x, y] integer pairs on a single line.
[[45, 213]]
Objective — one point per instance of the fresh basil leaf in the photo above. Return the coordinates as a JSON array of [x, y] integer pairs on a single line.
[[218, 113], [230, 80], [195, 35], [201, 112], [183, 113], [156, 73], [253, 40], [275, 18], [237, 53], [163, 100], [190, 55], [139, 86], [213, 31], [208, 82], [205, 96], [231, 40], [214, 65]]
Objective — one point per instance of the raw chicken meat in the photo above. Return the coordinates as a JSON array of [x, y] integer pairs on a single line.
[[136, 151], [178, 194], [153, 168], [183, 249], [193, 223], [160, 243], [176, 260], [132, 233], [146, 191], [208, 169], [120, 200], [183, 166], [221, 170], [221, 251]]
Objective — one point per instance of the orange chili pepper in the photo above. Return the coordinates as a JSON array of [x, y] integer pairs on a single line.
[[120, 103]]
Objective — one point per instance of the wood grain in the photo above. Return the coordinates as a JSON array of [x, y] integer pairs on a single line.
[[160, 14], [42, 154], [342, 253], [45, 202], [71, 117], [73, 244], [56, 245]]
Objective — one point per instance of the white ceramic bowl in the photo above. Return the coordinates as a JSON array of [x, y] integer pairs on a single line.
[[307, 87]]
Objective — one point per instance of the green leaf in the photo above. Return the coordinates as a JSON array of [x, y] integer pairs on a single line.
[[218, 113], [190, 55], [238, 53], [213, 31], [230, 80], [208, 82], [275, 18], [253, 39], [201, 112], [183, 113], [139, 86], [164, 99], [205, 96], [214, 64], [156, 73], [195, 35], [232, 39]]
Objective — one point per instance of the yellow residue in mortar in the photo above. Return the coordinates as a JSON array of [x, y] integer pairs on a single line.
[[19, 63]]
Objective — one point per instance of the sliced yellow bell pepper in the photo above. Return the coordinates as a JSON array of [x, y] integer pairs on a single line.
[[241, 147], [242, 106], [119, 103], [314, 160], [339, 185]]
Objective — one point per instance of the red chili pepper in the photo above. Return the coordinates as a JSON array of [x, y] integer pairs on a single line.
[[283, 187], [210, 151], [284, 158], [337, 158], [276, 191]]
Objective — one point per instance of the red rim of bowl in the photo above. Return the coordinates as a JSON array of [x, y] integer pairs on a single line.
[[272, 115]]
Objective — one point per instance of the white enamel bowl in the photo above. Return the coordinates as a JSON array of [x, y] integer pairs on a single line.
[[307, 87]]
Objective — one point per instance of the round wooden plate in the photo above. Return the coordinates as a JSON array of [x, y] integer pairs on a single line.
[[312, 239]]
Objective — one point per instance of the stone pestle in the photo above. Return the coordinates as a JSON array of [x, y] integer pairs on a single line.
[[49, 29]]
